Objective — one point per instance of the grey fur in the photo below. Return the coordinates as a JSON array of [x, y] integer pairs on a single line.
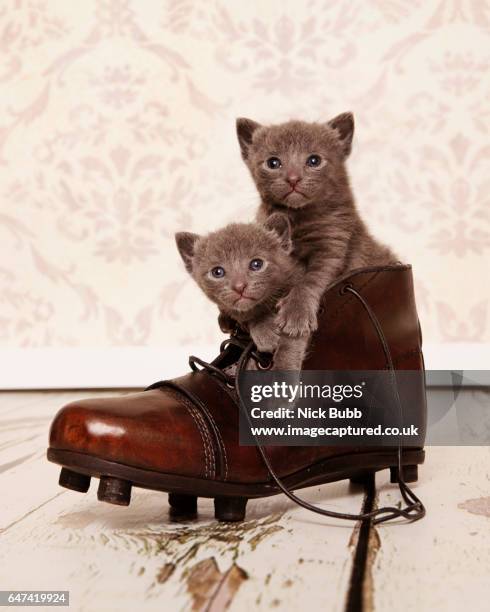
[[329, 236], [233, 248]]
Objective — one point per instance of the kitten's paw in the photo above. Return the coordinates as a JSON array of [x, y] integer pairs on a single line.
[[266, 342], [296, 317]]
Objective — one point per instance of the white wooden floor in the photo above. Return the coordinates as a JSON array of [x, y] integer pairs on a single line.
[[136, 558]]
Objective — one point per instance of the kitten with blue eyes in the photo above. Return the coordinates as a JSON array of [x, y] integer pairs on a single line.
[[299, 169], [245, 268]]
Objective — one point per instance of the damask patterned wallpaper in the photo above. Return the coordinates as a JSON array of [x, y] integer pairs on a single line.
[[117, 129]]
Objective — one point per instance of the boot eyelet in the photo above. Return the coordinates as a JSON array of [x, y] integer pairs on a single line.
[[265, 366], [344, 288]]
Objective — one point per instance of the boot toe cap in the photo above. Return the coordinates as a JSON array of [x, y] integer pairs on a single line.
[[151, 430]]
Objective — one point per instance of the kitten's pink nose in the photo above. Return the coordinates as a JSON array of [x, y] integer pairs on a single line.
[[293, 179], [239, 287]]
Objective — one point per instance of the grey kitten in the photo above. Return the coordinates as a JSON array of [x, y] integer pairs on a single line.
[[299, 169], [245, 268]]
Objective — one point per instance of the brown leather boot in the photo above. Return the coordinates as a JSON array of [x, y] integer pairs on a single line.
[[181, 436]]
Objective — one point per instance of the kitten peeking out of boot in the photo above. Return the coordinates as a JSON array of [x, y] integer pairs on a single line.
[[299, 169], [245, 268]]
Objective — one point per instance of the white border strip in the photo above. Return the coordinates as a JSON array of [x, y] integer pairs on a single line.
[[137, 367]]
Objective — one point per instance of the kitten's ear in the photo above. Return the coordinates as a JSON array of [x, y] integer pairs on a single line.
[[344, 126], [186, 243], [279, 223], [245, 129]]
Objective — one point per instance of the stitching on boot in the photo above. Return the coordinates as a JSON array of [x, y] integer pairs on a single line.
[[222, 444], [233, 397], [208, 447], [210, 427], [203, 432], [209, 443]]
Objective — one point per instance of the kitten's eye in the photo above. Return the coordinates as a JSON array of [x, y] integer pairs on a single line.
[[273, 163], [314, 161], [256, 264], [218, 272]]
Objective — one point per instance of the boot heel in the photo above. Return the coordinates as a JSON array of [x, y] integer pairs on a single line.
[[410, 473], [182, 506], [114, 491], [230, 508], [74, 480]]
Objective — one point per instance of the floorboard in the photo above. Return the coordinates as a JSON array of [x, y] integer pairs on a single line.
[[113, 558]]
